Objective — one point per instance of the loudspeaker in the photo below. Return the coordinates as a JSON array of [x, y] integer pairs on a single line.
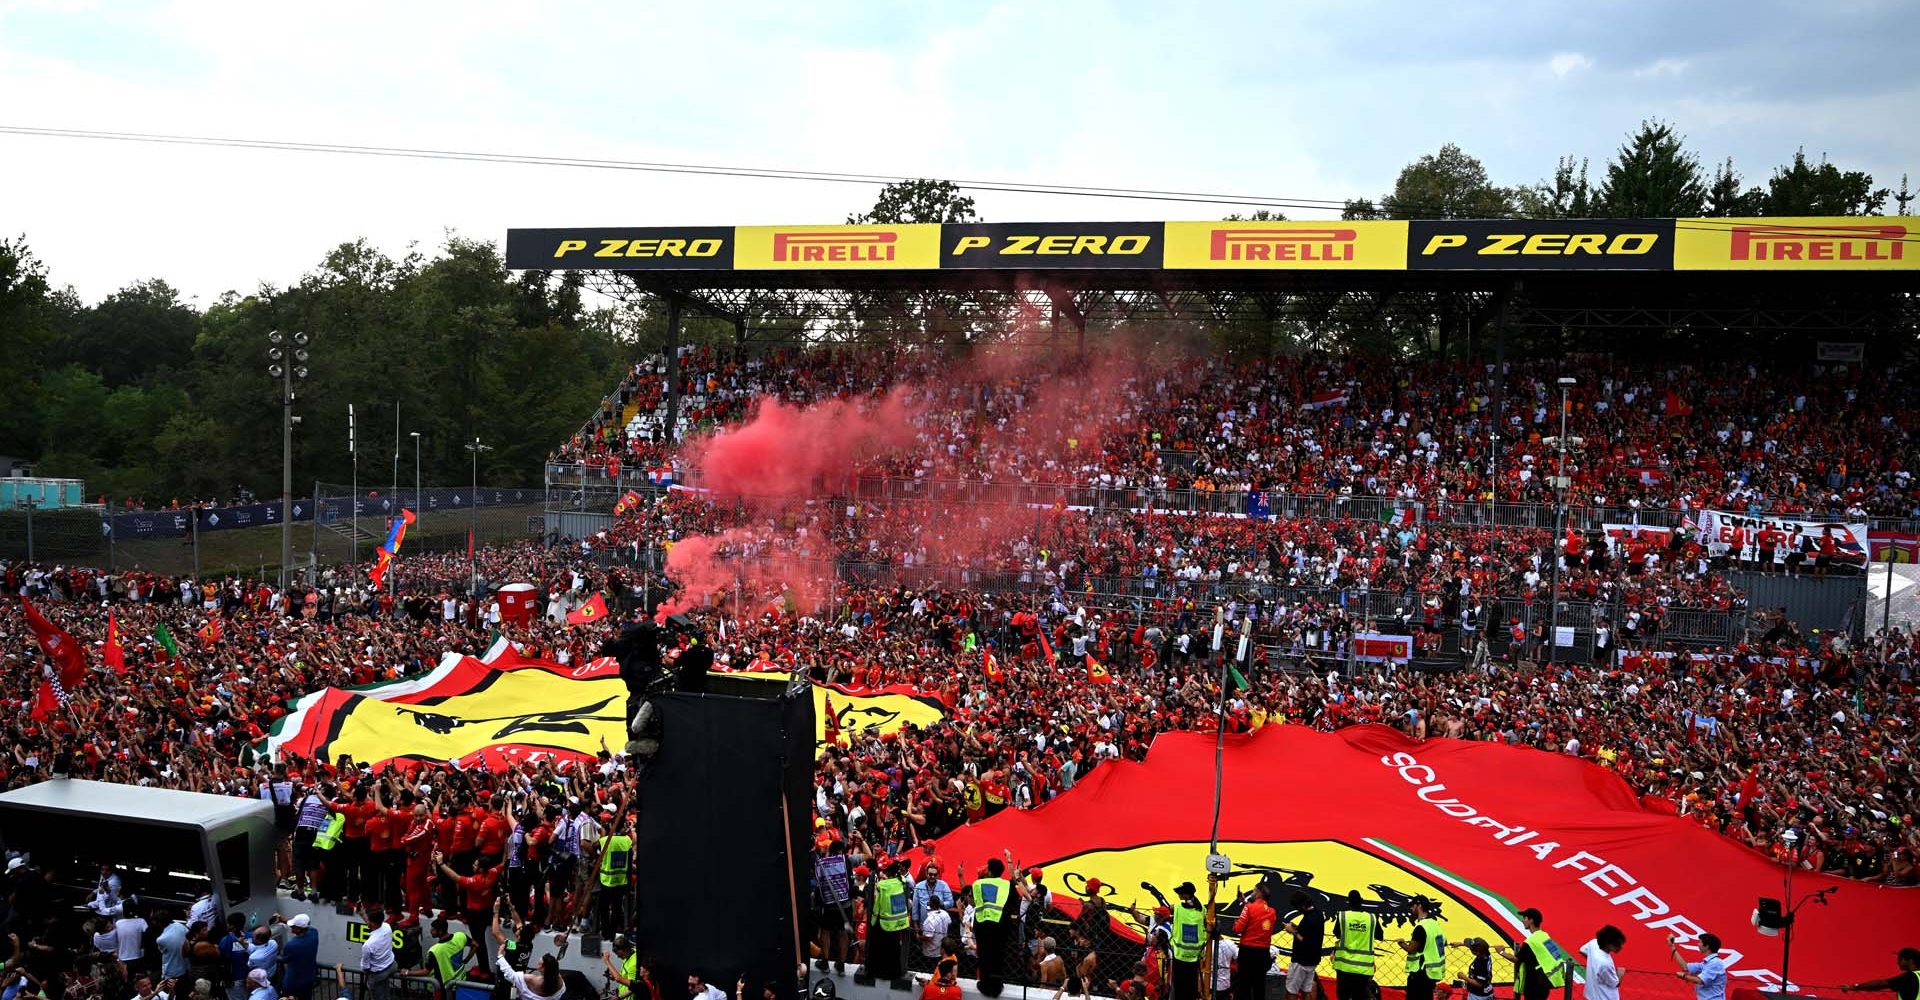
[[722, 851]]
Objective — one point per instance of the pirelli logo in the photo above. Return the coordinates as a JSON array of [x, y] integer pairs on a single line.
[[827, 245], [829, 248], [1283, 244], [1818, 243], [1280, 245]]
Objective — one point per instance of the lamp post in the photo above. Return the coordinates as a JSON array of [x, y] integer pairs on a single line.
[[288, 363], [473, 520], [1559, 523], [29, 504], [416, 470]]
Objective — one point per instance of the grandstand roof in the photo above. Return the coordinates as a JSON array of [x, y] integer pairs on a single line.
[[1796, 275]]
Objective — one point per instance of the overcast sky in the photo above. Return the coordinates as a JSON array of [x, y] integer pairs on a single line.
[[1292, 99]]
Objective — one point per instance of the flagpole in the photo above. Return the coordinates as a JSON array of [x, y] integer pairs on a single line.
[[353, 549]]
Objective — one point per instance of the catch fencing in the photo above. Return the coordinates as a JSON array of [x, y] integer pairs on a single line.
[[208, 541]]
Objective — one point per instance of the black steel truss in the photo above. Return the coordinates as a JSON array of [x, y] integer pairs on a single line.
[[1043, 308]]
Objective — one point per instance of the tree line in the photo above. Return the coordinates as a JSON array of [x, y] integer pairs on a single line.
[[147, 397], [1652, 175]]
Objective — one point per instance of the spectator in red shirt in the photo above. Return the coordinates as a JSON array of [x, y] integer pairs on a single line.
[[380, 855], [1255, 928], [418, 845], [476, 893], [491, 841]]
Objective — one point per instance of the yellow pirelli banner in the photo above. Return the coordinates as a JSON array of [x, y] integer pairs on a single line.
[[1286, 246], [1847, 243], [836, 248]]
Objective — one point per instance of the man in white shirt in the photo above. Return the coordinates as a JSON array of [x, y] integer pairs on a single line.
[[699, 989], [131, 950], [1225, 952], [376, 957], [933, 934], [1603, 977]]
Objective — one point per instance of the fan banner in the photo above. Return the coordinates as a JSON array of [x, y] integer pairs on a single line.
[[501, 708], [1485, 829], [1722, 531]]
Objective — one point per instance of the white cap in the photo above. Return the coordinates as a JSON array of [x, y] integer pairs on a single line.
[[300, 920], [16, 863]]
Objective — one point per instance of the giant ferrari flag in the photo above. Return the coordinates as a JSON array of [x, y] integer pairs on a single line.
[[1485, 829], [493, 710]]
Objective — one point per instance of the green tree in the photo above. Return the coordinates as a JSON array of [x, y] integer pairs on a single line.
[[1448, 184], [29, 324], [1803, 188], [1727, 198], [921, 200], [1259, 215], [134, 331], [1652, 176], [189, 454], [1568, 195]]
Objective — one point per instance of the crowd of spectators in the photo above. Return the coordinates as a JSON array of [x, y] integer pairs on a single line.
[[1777, 732], [1820, 440]]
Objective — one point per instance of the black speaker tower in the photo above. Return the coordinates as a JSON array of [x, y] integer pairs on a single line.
[[722, 853]]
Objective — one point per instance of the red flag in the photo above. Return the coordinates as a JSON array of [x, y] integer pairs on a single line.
[[627, 503], [833, 723], [45, 702], [1750, 788], [991, 665], [1148, 821], [210, 633], [469, 543], [59, 647], [592, 611], [1046, 647], [112, 652], [1097, 671]]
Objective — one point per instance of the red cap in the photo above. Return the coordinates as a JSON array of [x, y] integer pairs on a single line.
[[1093, 886]]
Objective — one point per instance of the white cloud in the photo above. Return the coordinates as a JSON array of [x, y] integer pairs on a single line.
[[1662, 67], [1564, 63]]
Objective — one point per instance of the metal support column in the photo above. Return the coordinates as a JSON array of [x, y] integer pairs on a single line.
[[673, 367]]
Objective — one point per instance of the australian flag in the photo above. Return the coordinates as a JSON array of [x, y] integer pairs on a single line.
[[1257, 506]]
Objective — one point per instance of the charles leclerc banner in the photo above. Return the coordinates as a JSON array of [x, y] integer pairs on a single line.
[[1484, 828]]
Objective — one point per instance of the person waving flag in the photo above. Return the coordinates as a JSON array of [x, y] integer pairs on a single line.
[[592, 611], [111, 651]]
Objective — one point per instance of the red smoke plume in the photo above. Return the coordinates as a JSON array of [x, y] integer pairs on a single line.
[[785, 457], [789, 452]]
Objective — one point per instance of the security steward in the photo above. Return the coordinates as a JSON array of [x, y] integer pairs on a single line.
[[1539, 964], [446, 959], [326, 842], [616, 870], [1426, 951], [889, 914], [623, 966], [992, 895], [1189, 937], [1354, 934]]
